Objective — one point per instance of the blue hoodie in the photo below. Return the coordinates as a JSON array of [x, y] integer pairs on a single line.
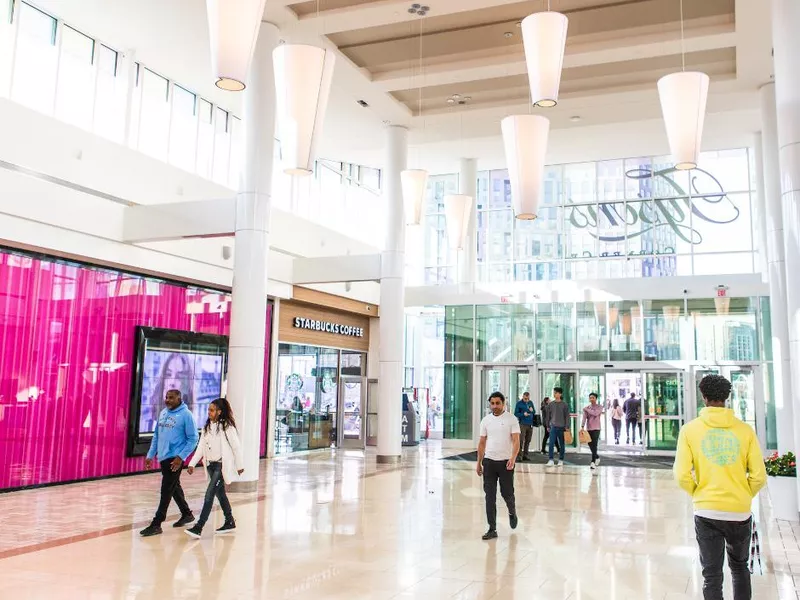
[[522, 408], [175, 434]]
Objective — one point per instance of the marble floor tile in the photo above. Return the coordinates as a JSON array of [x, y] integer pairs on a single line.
[[336, 525]]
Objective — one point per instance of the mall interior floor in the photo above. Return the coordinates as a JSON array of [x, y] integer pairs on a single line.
[[335, 525]]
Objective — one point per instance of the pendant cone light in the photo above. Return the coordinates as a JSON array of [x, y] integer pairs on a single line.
[[544, 35], [683, 98], [525, 141], [233, 29], [457, 209], [303, 76]]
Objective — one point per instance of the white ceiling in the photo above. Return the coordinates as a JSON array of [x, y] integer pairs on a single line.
[[171, 37]]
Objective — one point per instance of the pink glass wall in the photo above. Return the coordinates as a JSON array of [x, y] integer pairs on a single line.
[[66, 346]]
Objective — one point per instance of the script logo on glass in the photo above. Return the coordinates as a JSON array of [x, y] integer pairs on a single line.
[[328, 327]]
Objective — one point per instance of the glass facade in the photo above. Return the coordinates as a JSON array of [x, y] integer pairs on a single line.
[[697, 332], [634, 217], [309, 410]]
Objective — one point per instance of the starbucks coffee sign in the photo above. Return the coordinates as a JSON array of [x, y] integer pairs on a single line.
[[328, 327]]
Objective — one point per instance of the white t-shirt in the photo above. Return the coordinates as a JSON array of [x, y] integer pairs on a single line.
[[498, 431]]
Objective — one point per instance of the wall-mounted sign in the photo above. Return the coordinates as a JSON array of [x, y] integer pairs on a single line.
[[328, 327]]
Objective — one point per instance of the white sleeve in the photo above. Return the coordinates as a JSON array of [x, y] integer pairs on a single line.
[[236, 447], [198, 452], [515, 426], [484, 432]]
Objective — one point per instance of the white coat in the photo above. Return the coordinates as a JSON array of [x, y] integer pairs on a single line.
[[231, 454]]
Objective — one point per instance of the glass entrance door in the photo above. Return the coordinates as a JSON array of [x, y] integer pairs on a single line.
[[567, 381], [745, 399], [511, 381], [662, 409], [352, 425]]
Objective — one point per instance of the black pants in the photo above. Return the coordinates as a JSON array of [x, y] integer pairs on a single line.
[[170, 490], [546, 438], [526, 435], [713, 538], [630, 429], [617, 423], [494, 471], [593, 442], [216, 487]]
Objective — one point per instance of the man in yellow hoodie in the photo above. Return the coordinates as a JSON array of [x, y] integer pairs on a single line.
[[719, 463]]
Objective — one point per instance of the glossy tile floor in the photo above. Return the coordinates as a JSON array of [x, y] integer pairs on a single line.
[[335, 525]]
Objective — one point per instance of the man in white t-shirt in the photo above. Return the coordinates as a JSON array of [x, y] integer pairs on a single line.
[[497, 453]]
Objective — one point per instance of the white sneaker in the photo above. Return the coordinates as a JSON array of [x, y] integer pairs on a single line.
[[597, 463], [550, 463], [592, 466], [560, 464]]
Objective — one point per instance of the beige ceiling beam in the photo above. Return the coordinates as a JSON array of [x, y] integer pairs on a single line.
[[392, 12], [753, 48], [579, 55]]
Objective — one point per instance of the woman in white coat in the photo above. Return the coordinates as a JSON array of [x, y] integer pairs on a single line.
[[221, 452]]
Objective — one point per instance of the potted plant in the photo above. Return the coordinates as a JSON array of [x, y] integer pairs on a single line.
[[782, 484]]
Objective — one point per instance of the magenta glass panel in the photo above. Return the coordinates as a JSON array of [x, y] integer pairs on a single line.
[[66, 346]]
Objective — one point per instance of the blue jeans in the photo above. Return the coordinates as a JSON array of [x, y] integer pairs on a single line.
[[216, 487], [557, 433]]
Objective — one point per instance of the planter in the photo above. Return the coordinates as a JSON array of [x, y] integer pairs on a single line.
[[783, 493]]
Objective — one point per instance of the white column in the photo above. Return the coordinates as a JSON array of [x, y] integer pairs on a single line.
[[776, 265], [390, 383], [786, 50], [249, 310], [760, 213], [468, 186]]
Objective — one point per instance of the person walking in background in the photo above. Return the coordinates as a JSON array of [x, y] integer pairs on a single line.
[[558, 417], [525, 413], [719, 464], [221, 452], [591, 423], [497, 454], [545, 412], [174, 439], [617, 415], [632, 408]]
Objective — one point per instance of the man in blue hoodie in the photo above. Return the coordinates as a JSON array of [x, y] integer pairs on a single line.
[[174, 440], [525, 413]]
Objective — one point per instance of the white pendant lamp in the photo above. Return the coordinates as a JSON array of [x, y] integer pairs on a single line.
[[544, 35], [683, 104], [525, 142], [233, 30], [457, 208], [414, 182], [303, 76]]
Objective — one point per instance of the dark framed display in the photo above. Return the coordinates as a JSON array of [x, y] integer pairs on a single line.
[[196, 364]]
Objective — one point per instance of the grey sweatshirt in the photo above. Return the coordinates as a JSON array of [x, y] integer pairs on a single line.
[[558, 412]]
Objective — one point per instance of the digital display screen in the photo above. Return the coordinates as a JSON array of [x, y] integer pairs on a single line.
[[195, 364], [198, 377]]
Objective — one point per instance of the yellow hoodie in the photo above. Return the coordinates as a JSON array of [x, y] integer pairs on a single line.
[[726, 459]]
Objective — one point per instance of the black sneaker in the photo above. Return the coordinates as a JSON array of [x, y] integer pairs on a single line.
[[184, 520], [513, 521], [228, 527], [489, 535], [151, 530], [194, 532]]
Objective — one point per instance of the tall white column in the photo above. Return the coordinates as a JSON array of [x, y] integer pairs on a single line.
[[468, 186], [776, 265], [249, 309], [760, 213], [786, 52], [390, 382]]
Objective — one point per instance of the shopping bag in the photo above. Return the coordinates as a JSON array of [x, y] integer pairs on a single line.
[[568, 437], [584, 437]]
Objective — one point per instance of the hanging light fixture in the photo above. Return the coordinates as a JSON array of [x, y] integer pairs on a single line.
[[414, 182], [457, 208], [683, 97], [525, 142], [233, 31], [303, 76], [544, 35]]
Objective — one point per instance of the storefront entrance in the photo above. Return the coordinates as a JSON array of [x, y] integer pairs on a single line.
[[667, 396]]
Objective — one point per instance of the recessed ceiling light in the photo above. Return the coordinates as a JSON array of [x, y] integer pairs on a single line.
[[418, 9], [456, 96], [575, 119], [508, 34], [519, 23], [451, 101]]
